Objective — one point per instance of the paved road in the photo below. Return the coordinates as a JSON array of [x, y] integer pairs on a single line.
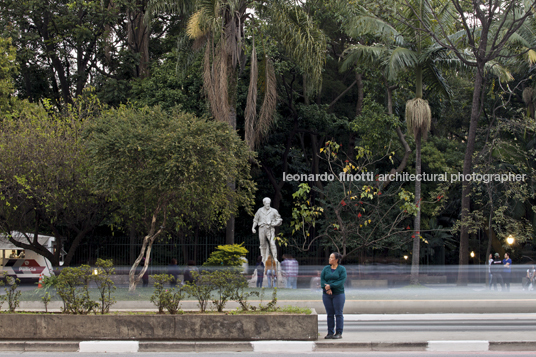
[[441, 327]]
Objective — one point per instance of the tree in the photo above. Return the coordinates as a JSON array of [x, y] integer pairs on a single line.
[[354, 213], [7, 69], [44, 187], [58, 39], [166, 169], [486, 28], [220, 26]]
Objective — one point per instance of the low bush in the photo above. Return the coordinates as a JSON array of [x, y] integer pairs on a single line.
[[166, 298], [73, 288], [12, 295]]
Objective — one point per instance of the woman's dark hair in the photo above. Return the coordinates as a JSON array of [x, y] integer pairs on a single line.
[[259, 259], [191, 262], [174, 261], [337, 256]]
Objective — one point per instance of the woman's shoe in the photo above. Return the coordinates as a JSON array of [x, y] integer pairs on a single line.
[[337, 336], [329, 337]]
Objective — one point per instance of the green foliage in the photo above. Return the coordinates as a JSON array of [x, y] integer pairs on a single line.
[[304, 215], [241, 296], [373, 124], [226, 284], [166, 298], [48, 284], [46, 299], [73, 288], [12, 295], [105, 284], [271, 306], [45, 172], [172, 163], [229, 255], [8, 68], [201, 289], [295, 310]]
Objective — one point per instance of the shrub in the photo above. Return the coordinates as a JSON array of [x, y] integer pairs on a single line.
[[271, 306], [201, 289], [226, 284], [12, 294], [48, 284], [105, 284], [229, 255], [73, 288], [168, 299], [241, 295]]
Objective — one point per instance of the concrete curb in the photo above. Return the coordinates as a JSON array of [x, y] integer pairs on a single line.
[[262, 346]]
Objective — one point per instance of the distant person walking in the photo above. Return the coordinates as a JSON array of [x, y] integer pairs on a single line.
[[496, 271], [530, 279], [260, 271], [290, 271], [507, 270], [190, 273], [332, 281], [173, 270], [270, 271], [490, 260]]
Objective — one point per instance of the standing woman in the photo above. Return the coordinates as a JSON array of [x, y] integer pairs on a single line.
[[332, 281]]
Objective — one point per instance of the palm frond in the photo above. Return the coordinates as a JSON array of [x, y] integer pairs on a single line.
[[301, 39], [501, 72], [401, 58], [363, 53], [435, 82], [179, 7], [193, 28], [251, 105], [266, 114], [371, 25]]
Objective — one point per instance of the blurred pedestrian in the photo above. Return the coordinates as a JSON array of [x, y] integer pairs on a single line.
[[173, 270], [259, 268], [332, 281], [271, 272], [490, 260], [191, 273], [289, 268], [530, 279], [496, 271], [507, 270]]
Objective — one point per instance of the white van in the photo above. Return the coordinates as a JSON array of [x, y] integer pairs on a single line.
[[26, 265]]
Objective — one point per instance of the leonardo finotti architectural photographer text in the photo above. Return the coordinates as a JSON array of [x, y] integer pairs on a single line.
[[405, 176]]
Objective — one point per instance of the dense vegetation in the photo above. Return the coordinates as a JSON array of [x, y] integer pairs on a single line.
[[161, 118]]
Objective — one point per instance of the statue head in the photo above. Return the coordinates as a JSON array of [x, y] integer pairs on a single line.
[[266, 202]]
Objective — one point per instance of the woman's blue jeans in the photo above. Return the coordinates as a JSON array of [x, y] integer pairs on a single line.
[[334, 305]]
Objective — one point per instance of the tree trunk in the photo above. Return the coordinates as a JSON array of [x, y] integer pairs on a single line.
[[230, 227], [132, 241], [417, 222], [138, 38], [146, 247], [467, 168]]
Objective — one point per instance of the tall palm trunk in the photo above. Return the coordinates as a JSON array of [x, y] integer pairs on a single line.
[[417, 222]]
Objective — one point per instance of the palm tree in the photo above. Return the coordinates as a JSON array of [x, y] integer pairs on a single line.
[[399, 51], [405, 47], [219, 26]]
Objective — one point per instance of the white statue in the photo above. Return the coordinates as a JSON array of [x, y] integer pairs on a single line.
[[267, 218]]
